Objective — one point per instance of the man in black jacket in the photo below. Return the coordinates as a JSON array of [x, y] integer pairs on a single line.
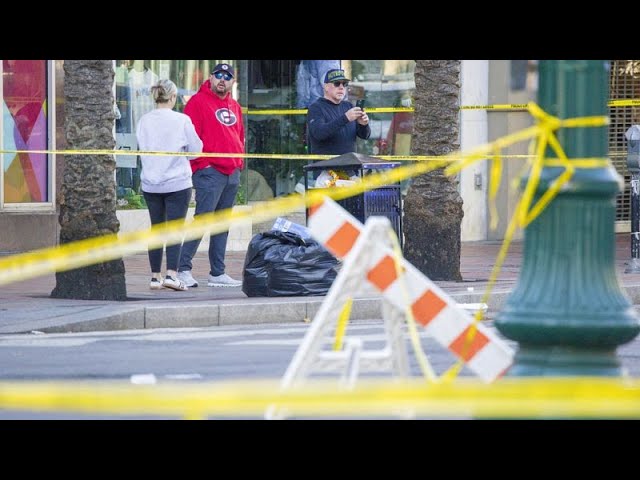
[[334, 123]]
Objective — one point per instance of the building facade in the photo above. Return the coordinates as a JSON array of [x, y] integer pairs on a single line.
[[274, 93]]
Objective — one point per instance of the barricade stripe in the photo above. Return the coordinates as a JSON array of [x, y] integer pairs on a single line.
[[416, 283], [341, 243], [409, 286], [468, 343], [383, 273], [491, 360], [427, 307], [448, 325], [313, 209]]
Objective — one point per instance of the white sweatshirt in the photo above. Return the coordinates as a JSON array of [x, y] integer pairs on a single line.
[[164, 130]]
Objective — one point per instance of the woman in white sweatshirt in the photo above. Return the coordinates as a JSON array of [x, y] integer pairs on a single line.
[[166, 179]]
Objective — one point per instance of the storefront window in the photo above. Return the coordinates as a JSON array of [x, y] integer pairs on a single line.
[[268, 90], [272, 88], [134, 79], [384, 84], [281, 85], [25, 176]]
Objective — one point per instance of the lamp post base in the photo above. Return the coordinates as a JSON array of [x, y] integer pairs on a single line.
[[562, 361]]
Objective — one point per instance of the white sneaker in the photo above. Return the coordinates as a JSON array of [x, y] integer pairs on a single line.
[[187, 278], [174, 284], [223, 280]]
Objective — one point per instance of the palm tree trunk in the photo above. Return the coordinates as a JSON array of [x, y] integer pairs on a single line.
[[87, 195], [433, 206]]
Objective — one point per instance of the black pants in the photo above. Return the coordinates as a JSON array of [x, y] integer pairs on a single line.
[[164, 207]]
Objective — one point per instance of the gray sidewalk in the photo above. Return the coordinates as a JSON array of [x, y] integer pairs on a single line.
[[26, 306]]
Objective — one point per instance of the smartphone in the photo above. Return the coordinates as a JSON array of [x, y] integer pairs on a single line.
[[360, 103]]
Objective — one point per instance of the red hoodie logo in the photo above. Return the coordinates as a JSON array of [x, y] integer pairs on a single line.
[[226, 117]]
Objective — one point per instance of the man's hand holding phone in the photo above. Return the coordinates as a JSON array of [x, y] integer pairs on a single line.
[[364, 118]]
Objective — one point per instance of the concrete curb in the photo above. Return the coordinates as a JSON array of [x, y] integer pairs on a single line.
[[209, 314]]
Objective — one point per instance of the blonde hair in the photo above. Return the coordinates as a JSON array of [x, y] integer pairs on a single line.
[[163, 90]]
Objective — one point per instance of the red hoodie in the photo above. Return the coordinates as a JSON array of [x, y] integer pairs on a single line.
[[219, 125]]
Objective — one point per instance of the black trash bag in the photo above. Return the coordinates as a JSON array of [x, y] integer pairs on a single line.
[[282, 264], [255, 275]]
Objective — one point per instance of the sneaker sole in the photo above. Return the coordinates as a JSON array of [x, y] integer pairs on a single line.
[[178, 289], [222, 285], [155, 287]]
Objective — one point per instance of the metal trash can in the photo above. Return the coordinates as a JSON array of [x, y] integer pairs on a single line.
[[382, 201]]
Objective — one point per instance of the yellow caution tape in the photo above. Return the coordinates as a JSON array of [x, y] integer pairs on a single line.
[[270, 156], [625, 103], [500, 106], [506, 106], [100, 249], [290, 156], [389, 110], [341, 327], [249, 111], [96, 250], [529, 397], [109, 247]]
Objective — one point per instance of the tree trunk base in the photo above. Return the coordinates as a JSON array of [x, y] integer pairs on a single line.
[[104, 281]]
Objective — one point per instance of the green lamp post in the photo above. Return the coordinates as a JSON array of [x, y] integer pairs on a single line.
[[568, 312]]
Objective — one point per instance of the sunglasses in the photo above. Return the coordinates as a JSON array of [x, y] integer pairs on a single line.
[[219, 75], [337, 84]]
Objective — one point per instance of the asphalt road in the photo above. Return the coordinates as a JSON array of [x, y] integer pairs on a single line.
[[193, 355]]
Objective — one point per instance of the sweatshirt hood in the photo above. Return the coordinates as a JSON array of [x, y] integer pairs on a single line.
[[205, 88]]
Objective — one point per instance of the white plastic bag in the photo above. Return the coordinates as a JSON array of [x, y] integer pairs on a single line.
[[324, 180]]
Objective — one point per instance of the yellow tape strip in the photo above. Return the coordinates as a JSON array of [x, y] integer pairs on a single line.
[[505, 106], [289, 156], [109, 247], [625, 103], [389, 110], [531, 397], [249, 111], [271, 156], [341, 328]]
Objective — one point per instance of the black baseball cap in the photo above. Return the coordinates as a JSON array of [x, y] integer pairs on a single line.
[[224, 67], [334, 75]]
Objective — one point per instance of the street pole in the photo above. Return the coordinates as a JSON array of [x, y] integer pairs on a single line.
[[568, 312]]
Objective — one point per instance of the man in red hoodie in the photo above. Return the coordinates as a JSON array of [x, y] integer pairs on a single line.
[[218, 121]]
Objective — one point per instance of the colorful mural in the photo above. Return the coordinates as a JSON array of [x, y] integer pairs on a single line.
[[24, 120]]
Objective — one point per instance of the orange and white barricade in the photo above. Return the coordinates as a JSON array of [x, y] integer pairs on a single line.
[[368, 258]]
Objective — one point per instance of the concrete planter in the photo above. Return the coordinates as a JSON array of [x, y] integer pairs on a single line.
[[239, 234]]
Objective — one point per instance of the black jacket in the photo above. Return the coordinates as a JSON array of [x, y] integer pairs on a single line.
[[330, 132]]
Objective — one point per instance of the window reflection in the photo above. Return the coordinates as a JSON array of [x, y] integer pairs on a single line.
[[384, 84]]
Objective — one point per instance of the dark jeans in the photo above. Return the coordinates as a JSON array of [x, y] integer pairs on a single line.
[[162, 208], [214, 191]]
